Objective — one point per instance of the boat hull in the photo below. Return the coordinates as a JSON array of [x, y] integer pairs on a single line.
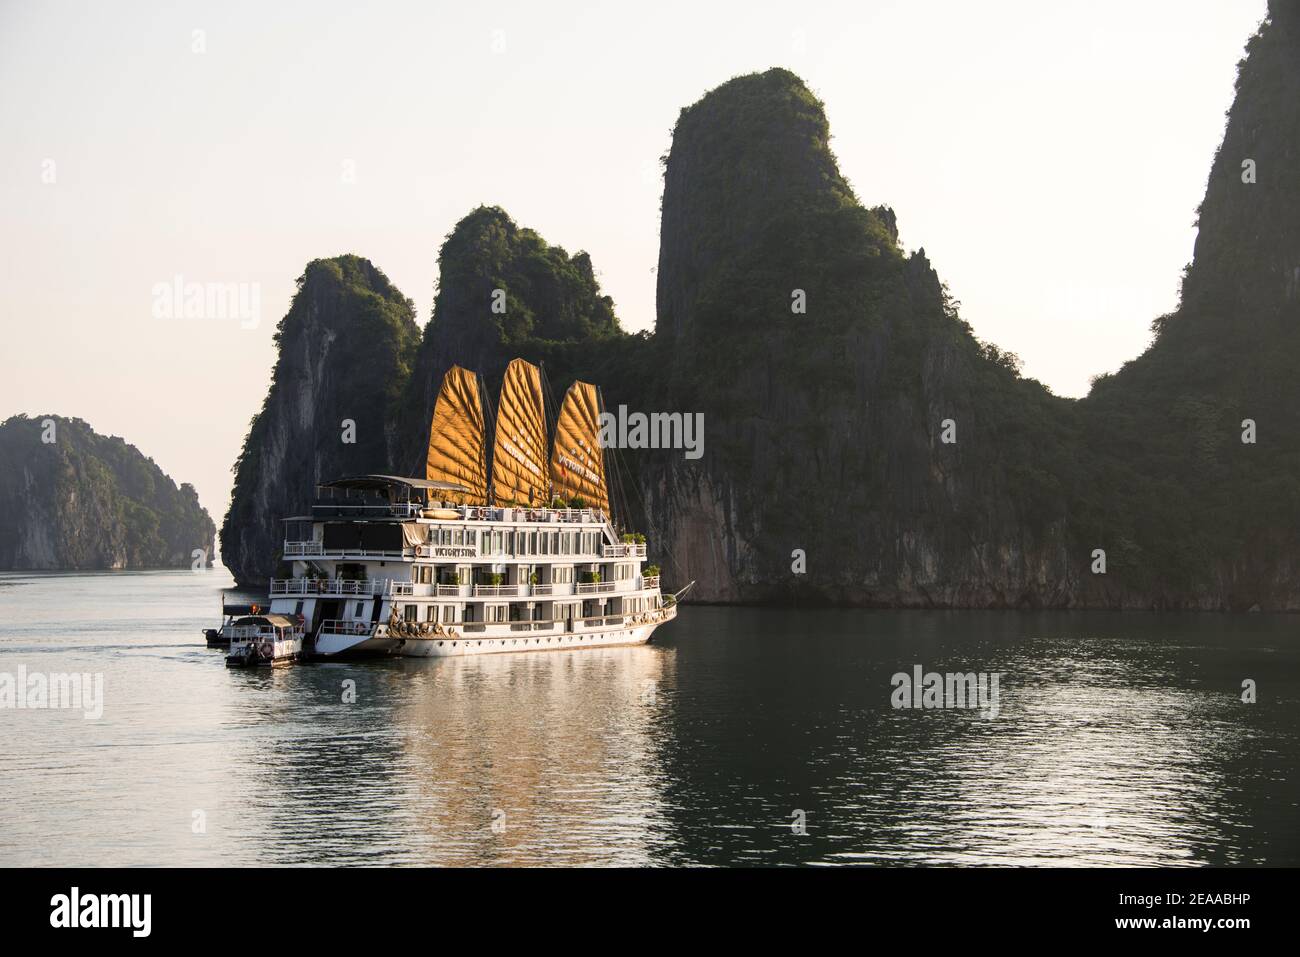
[[567, 641], [463, 644]]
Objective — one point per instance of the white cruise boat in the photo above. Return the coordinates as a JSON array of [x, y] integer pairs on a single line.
[[467, 560]]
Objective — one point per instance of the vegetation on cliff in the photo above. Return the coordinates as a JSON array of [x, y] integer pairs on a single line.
[[852, 415], [75, 499], [504, 292]]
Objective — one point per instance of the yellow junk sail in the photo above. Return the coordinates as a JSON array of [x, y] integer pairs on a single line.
[[457, 443], [577, 462], [519, 450]]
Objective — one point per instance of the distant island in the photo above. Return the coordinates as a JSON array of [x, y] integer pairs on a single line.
[[862, 445], [77, 500]]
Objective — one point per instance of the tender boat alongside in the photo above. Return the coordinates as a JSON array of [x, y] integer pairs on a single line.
[[264, 640], [467, 561]]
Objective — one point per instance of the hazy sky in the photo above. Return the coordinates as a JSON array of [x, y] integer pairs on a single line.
[[1049, 157]]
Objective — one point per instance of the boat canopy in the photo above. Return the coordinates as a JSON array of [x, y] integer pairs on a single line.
[[457, 439], [577, 461], [274, 621]]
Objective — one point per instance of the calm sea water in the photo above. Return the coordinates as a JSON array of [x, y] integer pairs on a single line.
[[1121, 740]]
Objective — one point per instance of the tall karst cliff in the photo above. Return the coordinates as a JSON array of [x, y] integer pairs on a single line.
[[828, 366], [1204, 427], [75, 499], [855, 428], [346, 347]]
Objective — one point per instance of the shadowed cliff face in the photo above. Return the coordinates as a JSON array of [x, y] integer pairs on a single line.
[[854, 427], [75, 499], [1212, 520], [824, 426], [1248, 247], [346, 348], [824, 429]]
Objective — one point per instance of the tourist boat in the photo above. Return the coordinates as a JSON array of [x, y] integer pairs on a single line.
[[264, 640], [469, 560]]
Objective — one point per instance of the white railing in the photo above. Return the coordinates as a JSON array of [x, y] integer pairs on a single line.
[[340, 626], [480, 513], [624, 550], [453, 590], [543, 589], [495, 590], [587, 588], [397, 510], [340, 586], [241, 633], [317, 550], [262, 633], [649, 581]]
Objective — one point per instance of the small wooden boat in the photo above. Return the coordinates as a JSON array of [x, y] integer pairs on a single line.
[[264, 640]]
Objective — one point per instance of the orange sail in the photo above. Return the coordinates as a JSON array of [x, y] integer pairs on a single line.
[[577, 461], [519, 451], [457, 440]]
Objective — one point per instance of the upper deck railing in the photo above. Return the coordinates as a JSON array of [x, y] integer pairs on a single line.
[[624, 550], [340, 586], [403, 510], [318, 550]]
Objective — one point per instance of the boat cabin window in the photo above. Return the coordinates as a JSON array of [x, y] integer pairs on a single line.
[[411, 612], [357, 613]]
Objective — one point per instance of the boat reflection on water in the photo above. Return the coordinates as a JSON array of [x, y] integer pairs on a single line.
[[533, 760], [539, 759], [512, 759]]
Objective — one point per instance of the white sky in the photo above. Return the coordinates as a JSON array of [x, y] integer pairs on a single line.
[[1049, 157]]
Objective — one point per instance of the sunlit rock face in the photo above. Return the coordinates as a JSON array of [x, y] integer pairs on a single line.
[[345, 350]]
